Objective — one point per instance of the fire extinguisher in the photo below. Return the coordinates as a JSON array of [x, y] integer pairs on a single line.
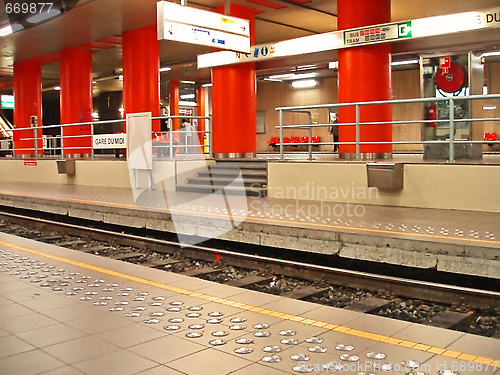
[[432, 115]]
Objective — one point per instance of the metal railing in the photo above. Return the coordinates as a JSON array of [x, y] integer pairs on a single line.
[[451, 121], [178, 141]]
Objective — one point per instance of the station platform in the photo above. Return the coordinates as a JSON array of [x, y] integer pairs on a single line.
[[460, 242], [67, 312]]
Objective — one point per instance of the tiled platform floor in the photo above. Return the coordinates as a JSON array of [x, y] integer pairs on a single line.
[[66, 312]]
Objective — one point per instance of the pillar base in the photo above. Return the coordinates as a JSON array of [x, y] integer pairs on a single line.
[[235, 155], [366, 155]]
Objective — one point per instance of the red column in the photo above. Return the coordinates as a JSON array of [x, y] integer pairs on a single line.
[[27, 103], [141, 77], [174, 103], [234, 102], [365, 75], [76, 100]]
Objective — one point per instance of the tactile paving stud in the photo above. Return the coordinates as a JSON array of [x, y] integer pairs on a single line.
[[271, 359], [139, 308], [217, 342], [287, 332], [196, 326], [156, 313], [302, 369], [128, 289], [121, 303], [193, 315], [142, 294], [243, 350], [133, 315], [195, 308], [174, 309], [105, 298], [176, 303], [334, 366], [349, 358], [220, 333], [194, 335], [139, 299], [261, 326], [157, 304], [416, 373], [410, 365], [237, 327], [271, 349], [159, 298], [300, 357], [289, 342], [123, 294], [448, 372], [344, 348], [72, 293], [90, 293], [244, 341], [314, 340], [374, 355], [171, 327], [215, 314], [176, 320], [262, 334], [238, 320], [384, 366], [86, 298], [152, 321], [100, 303], [114, 309], [214, 321], [318, 349]]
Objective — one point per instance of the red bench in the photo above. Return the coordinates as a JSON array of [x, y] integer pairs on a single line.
[[293, 141]]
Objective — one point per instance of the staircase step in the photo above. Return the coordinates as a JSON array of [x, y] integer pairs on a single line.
[[234, 172], [225, 181], [240, 165], [207, 189]]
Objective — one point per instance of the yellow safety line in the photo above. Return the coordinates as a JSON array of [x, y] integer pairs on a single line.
[[294, 318], [257, 220]]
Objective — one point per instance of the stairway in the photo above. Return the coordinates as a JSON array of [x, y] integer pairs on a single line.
[[222, 173]]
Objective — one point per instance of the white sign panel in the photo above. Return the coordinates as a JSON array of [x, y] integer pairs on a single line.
[[190, 25], [139, 143], [103, 141], [423, 27]]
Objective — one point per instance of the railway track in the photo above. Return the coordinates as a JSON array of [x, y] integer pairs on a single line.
[[467, 309]]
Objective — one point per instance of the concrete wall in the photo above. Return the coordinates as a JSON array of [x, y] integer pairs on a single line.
[[166, 174], [459, 187]]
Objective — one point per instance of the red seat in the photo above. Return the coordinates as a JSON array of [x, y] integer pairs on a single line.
[[315, 139], [294, 140], [273, 141], [304, 139], [490, 136], [286, 140]]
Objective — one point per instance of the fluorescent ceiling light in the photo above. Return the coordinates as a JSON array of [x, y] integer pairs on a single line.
[[120, 77], [189, 82], [9, 29], [272, 79], [121, 109], [57, 88], [493, 53], [40, 17], [187, 104], [207, 85], [489, 107], [282, 76], [405, 62], [333, 65], [165, 69], [304, 83], [187, 96]]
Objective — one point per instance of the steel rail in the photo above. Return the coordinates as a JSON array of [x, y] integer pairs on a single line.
[[411, 288]]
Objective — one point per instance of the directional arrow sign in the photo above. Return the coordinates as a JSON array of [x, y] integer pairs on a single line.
[[190, 25]]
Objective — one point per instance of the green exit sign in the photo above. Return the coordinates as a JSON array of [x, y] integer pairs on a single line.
[[7, 101]]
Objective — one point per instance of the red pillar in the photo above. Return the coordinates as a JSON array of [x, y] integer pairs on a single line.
[[141, 77], [76, 100], [234, 102], [365, 75], [27, 103], [174, 103]]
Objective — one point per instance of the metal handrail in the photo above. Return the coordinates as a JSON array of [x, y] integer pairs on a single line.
[[207, 148], [451, 121]]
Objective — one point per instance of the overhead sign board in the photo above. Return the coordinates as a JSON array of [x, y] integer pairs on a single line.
[[195, 26], [390, 32]]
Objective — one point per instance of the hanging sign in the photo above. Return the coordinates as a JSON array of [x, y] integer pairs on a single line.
[[195, 26]]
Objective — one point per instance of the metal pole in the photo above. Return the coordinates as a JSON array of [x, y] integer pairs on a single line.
[[35, 129], [92, 142], [452, 130], [210, 138], [358, 148], [227, 7], [171, 148], [281, 134], [310, 137], [62, 142]]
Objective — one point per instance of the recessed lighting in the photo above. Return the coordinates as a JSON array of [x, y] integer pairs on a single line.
[[304, 83], [189, 82], [489, 107], [333, 65], [282, 76], [404, 62], [187, 96], [165, 69], [57, 88], [40, 17], [493, 53], [207, 85]]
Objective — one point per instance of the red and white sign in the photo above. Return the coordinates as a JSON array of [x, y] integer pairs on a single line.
[[445, 64], [31, 162]]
